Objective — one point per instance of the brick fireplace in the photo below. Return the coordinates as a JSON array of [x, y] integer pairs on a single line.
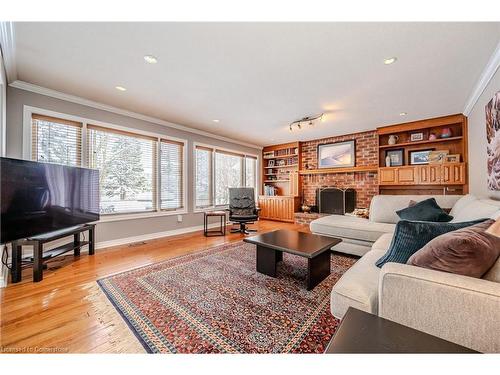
[[365, 183]]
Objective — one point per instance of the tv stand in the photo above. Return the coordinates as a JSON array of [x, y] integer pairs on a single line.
[[40, 256]]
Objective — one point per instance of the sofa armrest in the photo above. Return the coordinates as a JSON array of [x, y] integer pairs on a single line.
[[460, 309]]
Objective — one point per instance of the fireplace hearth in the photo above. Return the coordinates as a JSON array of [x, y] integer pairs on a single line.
[[336, 201]]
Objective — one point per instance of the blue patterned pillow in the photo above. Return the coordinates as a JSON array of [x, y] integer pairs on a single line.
[[411, 236]]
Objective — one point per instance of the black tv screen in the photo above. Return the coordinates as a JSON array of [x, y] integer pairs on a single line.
[[38, 198]]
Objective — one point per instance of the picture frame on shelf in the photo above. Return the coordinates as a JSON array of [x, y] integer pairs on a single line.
[[396, 157], [438, 156], [337, 155], [270, 163], [452, 158], [415, 137], [419, 157]]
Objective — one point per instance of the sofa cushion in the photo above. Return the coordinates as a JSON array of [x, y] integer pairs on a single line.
[[358, 287], [350, 227], [426, 210], [383, 242], [410, 236], [476, 209], [461, 203], [383, 207], [468, 251]]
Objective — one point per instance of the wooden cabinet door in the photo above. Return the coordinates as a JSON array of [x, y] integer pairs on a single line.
[[387, 176], [429, 174], [407, 175], [453, 174], [294, 183], [264, 208]]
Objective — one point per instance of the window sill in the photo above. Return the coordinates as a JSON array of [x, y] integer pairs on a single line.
[[141, 215]]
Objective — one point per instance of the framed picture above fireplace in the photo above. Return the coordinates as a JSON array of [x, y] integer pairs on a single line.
[[337, 155]]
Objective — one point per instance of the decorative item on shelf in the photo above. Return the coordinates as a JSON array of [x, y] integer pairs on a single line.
[[393, 139], [437, 157], [396, 157], [432, 137], [492, 110], [305, 208], [270, 163], [308, 120], [337, 155], [414, 137], [452, 158], [268, 154], [280, 162], [446, 133], [420, 157], [387, 161]]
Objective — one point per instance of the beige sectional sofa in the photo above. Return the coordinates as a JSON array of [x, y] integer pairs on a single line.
[[460, 309], [358, 235]]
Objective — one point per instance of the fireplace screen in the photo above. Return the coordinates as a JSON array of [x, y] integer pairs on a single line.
[[335, 201]]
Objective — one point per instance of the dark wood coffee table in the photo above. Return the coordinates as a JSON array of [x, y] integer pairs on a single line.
[[316, 248], [361, 332]]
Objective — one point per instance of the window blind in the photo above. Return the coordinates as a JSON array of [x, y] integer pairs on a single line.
[[55, 140], [127, 169], [204, 180], [171, 175], [250, 171]]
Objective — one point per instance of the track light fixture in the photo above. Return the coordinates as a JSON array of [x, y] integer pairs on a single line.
[[308, 120]]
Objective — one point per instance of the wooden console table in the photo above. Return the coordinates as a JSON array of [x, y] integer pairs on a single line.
[[39, 256]]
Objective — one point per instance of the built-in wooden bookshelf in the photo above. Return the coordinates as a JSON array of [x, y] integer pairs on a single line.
[[280, 176], [448, 133]]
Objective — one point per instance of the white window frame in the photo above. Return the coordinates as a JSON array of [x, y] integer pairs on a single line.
[[28, 111], [243, 171]]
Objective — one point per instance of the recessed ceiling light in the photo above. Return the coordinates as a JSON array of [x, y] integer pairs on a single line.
[[120, 88], [150, 59], [390, 60], [403, 113], [216, 120]]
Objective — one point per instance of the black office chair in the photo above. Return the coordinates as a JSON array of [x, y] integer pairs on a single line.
[[242, 209]]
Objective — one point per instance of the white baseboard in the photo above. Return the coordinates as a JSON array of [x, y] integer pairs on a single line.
[[124, 241]]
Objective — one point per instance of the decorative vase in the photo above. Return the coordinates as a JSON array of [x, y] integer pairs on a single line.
[[446, 133], [387, 161], [393, 139]]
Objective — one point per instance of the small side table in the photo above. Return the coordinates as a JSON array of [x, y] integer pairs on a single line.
[[222, 229], [362, 333]]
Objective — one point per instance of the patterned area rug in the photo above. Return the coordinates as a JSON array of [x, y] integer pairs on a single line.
[[215, 302]]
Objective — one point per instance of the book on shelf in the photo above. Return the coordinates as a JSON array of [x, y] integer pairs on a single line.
[[270, 190]]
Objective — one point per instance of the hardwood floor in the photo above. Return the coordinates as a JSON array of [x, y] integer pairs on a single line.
[[58, 313]]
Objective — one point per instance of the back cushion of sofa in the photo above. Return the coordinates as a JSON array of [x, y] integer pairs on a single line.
[[383, 207], [476, 209]]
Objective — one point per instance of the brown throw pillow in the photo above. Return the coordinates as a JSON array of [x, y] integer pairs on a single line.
[[468, 251]]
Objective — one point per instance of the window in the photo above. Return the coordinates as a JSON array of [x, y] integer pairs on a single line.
[[137, 172], [126, 169], [171, 175], [203, 185], [218, 170], [56, 140]]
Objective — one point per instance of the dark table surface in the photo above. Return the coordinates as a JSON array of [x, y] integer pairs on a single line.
[[361, 332], [299, 243]]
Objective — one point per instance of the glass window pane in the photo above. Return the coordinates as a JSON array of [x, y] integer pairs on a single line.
[[203, 194], [171, 174], [228, 173], [126, 165], [250, 172]]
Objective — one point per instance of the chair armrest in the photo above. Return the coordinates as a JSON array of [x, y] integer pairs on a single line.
[[460, 309]]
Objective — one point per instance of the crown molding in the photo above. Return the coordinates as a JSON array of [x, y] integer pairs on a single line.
[[485, 78], [104, 107], [7, 45]]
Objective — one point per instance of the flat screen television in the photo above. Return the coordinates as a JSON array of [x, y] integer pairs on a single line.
[[38, 198]]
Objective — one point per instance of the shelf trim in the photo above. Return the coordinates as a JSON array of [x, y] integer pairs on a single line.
[[361, 169]]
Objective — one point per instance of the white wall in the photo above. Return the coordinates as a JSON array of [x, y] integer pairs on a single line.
[[477, 141]]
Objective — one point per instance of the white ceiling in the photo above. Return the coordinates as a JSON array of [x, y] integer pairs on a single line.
[[256, 78]]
